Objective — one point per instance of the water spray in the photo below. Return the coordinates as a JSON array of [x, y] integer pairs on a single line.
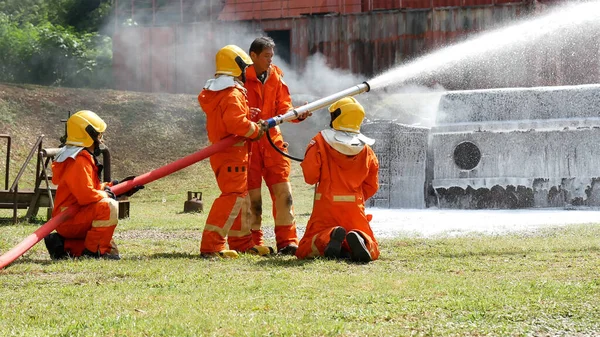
[[503, 47]]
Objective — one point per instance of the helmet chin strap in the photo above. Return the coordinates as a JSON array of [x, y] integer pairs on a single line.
[[97, 150], [94, 135], [244, 75], [335, 114]]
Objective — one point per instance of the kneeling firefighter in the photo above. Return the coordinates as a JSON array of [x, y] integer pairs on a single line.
[[223, 100], [344, 167], [76, 171]]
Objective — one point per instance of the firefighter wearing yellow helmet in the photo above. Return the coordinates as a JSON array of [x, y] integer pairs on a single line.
[[346, 118], [232, 60], [85, 129], [223, 100], [76, 172], [344, 167]]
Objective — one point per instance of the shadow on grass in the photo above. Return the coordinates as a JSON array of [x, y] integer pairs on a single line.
[[279, 261], [272, 261], [176, 256], [35, 261], [21, 221], [190, 213], [7, 222]]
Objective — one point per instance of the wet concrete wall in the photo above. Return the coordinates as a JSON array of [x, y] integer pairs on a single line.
[[401, 151], [513, 148], [498, 148]]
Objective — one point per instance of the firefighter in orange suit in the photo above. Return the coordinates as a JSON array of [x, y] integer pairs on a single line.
[[268, 96], [223, 100], [76, 172], [344, 167]]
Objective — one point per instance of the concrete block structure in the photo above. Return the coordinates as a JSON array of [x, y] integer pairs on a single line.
[[401, 151], [497, 148]]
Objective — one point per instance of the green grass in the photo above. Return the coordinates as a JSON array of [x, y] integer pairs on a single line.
[[536, 284]]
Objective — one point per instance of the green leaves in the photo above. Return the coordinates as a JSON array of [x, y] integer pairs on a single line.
[[39, 45]]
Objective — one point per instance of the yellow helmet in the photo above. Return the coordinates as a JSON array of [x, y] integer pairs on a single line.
[[83, 128], [232, 60], [347, 115]]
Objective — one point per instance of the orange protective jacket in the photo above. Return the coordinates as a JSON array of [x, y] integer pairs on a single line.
[[78, 182], [344, 183], [226, 113], [273, 99]]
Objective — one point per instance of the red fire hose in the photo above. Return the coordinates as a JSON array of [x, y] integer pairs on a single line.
[[119, 189]]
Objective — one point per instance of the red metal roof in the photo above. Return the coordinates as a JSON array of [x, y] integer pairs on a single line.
[[275, 9], [173, 58], [242, 10]]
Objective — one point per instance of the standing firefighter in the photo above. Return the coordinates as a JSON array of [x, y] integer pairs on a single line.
[[76, 172], [268, 96], [344, 167], [223, 99]]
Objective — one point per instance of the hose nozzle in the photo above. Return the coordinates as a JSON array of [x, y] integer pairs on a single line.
[[316, 105]]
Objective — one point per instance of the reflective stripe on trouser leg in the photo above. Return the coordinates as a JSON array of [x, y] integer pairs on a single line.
[[99, 237], [223, 213], [283, 212], [240, 237], [256, 216], [230, 168]]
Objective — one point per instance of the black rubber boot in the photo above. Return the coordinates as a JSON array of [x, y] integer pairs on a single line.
[[358, 249], [55, 245], [288, 250], [334, 247], [87, 253]]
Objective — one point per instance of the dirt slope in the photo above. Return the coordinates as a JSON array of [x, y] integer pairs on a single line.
[[145, 130]]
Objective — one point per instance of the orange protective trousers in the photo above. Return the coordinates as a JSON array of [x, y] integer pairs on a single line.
[[344, 183], [92, 228], [228, 216], [226, 114], [273, 98]]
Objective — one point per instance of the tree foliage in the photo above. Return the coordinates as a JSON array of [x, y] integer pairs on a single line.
[[55, 42]]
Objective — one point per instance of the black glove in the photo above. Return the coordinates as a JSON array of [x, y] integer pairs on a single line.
[[110, 193], [134, 189], [116, 181]]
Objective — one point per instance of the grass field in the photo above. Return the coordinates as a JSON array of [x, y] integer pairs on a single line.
[[546, 284]]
